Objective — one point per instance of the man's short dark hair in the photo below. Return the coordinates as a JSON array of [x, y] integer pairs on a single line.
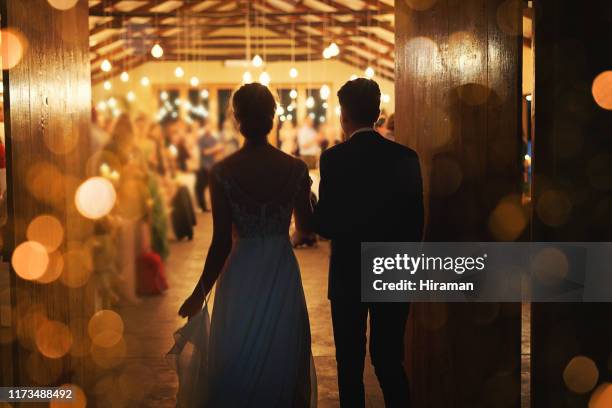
[[360, 100]]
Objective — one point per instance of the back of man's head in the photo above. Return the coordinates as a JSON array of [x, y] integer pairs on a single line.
[[360, 101]]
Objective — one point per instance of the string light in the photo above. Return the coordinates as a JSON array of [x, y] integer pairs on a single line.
[[334, 49], [293, 72], [194, 81], [369, 72], [106, 65], [264, 78], [131, 96], [310, 102], [247, 77], [179, 72], [157, 51], [385, 98], [204, 93], [124, 76], [107, 85], [353, 77], [145, 81], [324, 92], [293, 94], [257, 61]]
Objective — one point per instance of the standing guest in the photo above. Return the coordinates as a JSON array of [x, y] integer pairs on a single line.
[[391, 211], [209, 148], [287, 136], [308, 145]]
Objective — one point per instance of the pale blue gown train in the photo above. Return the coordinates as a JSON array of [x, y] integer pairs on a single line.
[[257, 353]]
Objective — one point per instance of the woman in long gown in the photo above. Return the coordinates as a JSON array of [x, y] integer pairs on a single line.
[[259, 352]]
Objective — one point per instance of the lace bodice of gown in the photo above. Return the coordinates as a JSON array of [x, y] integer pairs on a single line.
[[252, 218]]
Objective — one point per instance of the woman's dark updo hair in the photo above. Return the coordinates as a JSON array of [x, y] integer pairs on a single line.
[[254, 109]]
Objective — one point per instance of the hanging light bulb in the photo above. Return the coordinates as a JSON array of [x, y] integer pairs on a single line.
[[106, 65], [124, 76], [293, 94], [327, 53], [145, 81], [163, 95], [334, 50], [279, 110], [385, 98], [338, 110], [131, 96], [112, 102], [107, 85], [293, 72], [157, 51], [353, 77], [204, 93], [369, 72], [257, 61], [324, 92], [264, 78], [179, 72], [247, 77], [310, 102], [194, 81], [101, 105]]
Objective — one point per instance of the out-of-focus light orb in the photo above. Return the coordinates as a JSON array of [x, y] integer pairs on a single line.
[[157, 51], [420, 5], [550, 266], [369, 72], [581, 375], [321, 119], [293, 94], [508, 220], [204, 93], [62, 4], [145, 81], [338, 110], [101, 105], [353, 77], [528, 97], [124, 77], [163, 95], [12, 46], [264, 78], [78, 266], [334, 50], [279, 110], [53, 339], [257, 61], [30, 260], [112, 102], [508, 17], [54, 269], [194, 81], [107, 85], [385, 98], [109, 357], [289, 117], [95, 198], [46, 230], [601, 397], [79, 400], [554, 207], [106, 65], [179, 72], [311, 115], [247, 77], [310, 102], [131, 96], [602, 90], [105, 328], [324, 92], [327, 53], [293, 72]]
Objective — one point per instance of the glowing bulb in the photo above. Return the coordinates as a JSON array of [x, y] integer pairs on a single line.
[[337, 110], [163, 96], [157, 51], [293, 72], [179, 72], [385, 98], [310, 102], [247, 77], [204, 93], [528, 97], [334, 50], [264, 78], [257, 61], [353, 77], [107, 85], [289, 117], [293, 94], [279, 110], [102, 106], [145, 81], [327, 53], [124, 76], [324, 92], [369, 72], [194, 81], [95, 197], [131, 96], [112, 102], [106, 65]]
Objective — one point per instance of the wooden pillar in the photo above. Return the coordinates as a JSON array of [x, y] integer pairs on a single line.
[[458, 70], [47, 111], [571, 190]]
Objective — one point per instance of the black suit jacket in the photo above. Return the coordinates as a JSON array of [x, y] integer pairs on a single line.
[[370, 191]]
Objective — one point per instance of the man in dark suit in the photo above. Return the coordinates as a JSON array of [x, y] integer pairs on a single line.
[[370, 191]]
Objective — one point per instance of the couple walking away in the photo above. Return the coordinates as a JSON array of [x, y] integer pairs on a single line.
[[257, 351]]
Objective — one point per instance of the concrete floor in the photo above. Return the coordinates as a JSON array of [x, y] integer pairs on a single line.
[[151, 322]]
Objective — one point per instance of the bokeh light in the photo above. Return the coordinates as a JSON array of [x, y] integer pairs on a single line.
[[423, 54], [53, 339], [30, 260], [580, 375], [62, 4], [79, 400], [602, 90], [105, 328], [45, 182], [508, 220], [46, 230], [64, 144], [601, 397], [12, 48], [554, 207], [509, 18], [420, 5], [54, 269], [29, 319], [109, 357], [550, 266], [95, 198], [78, 265]]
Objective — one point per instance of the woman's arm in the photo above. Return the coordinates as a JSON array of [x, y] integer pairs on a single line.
[[218, 251], [304, 205]]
